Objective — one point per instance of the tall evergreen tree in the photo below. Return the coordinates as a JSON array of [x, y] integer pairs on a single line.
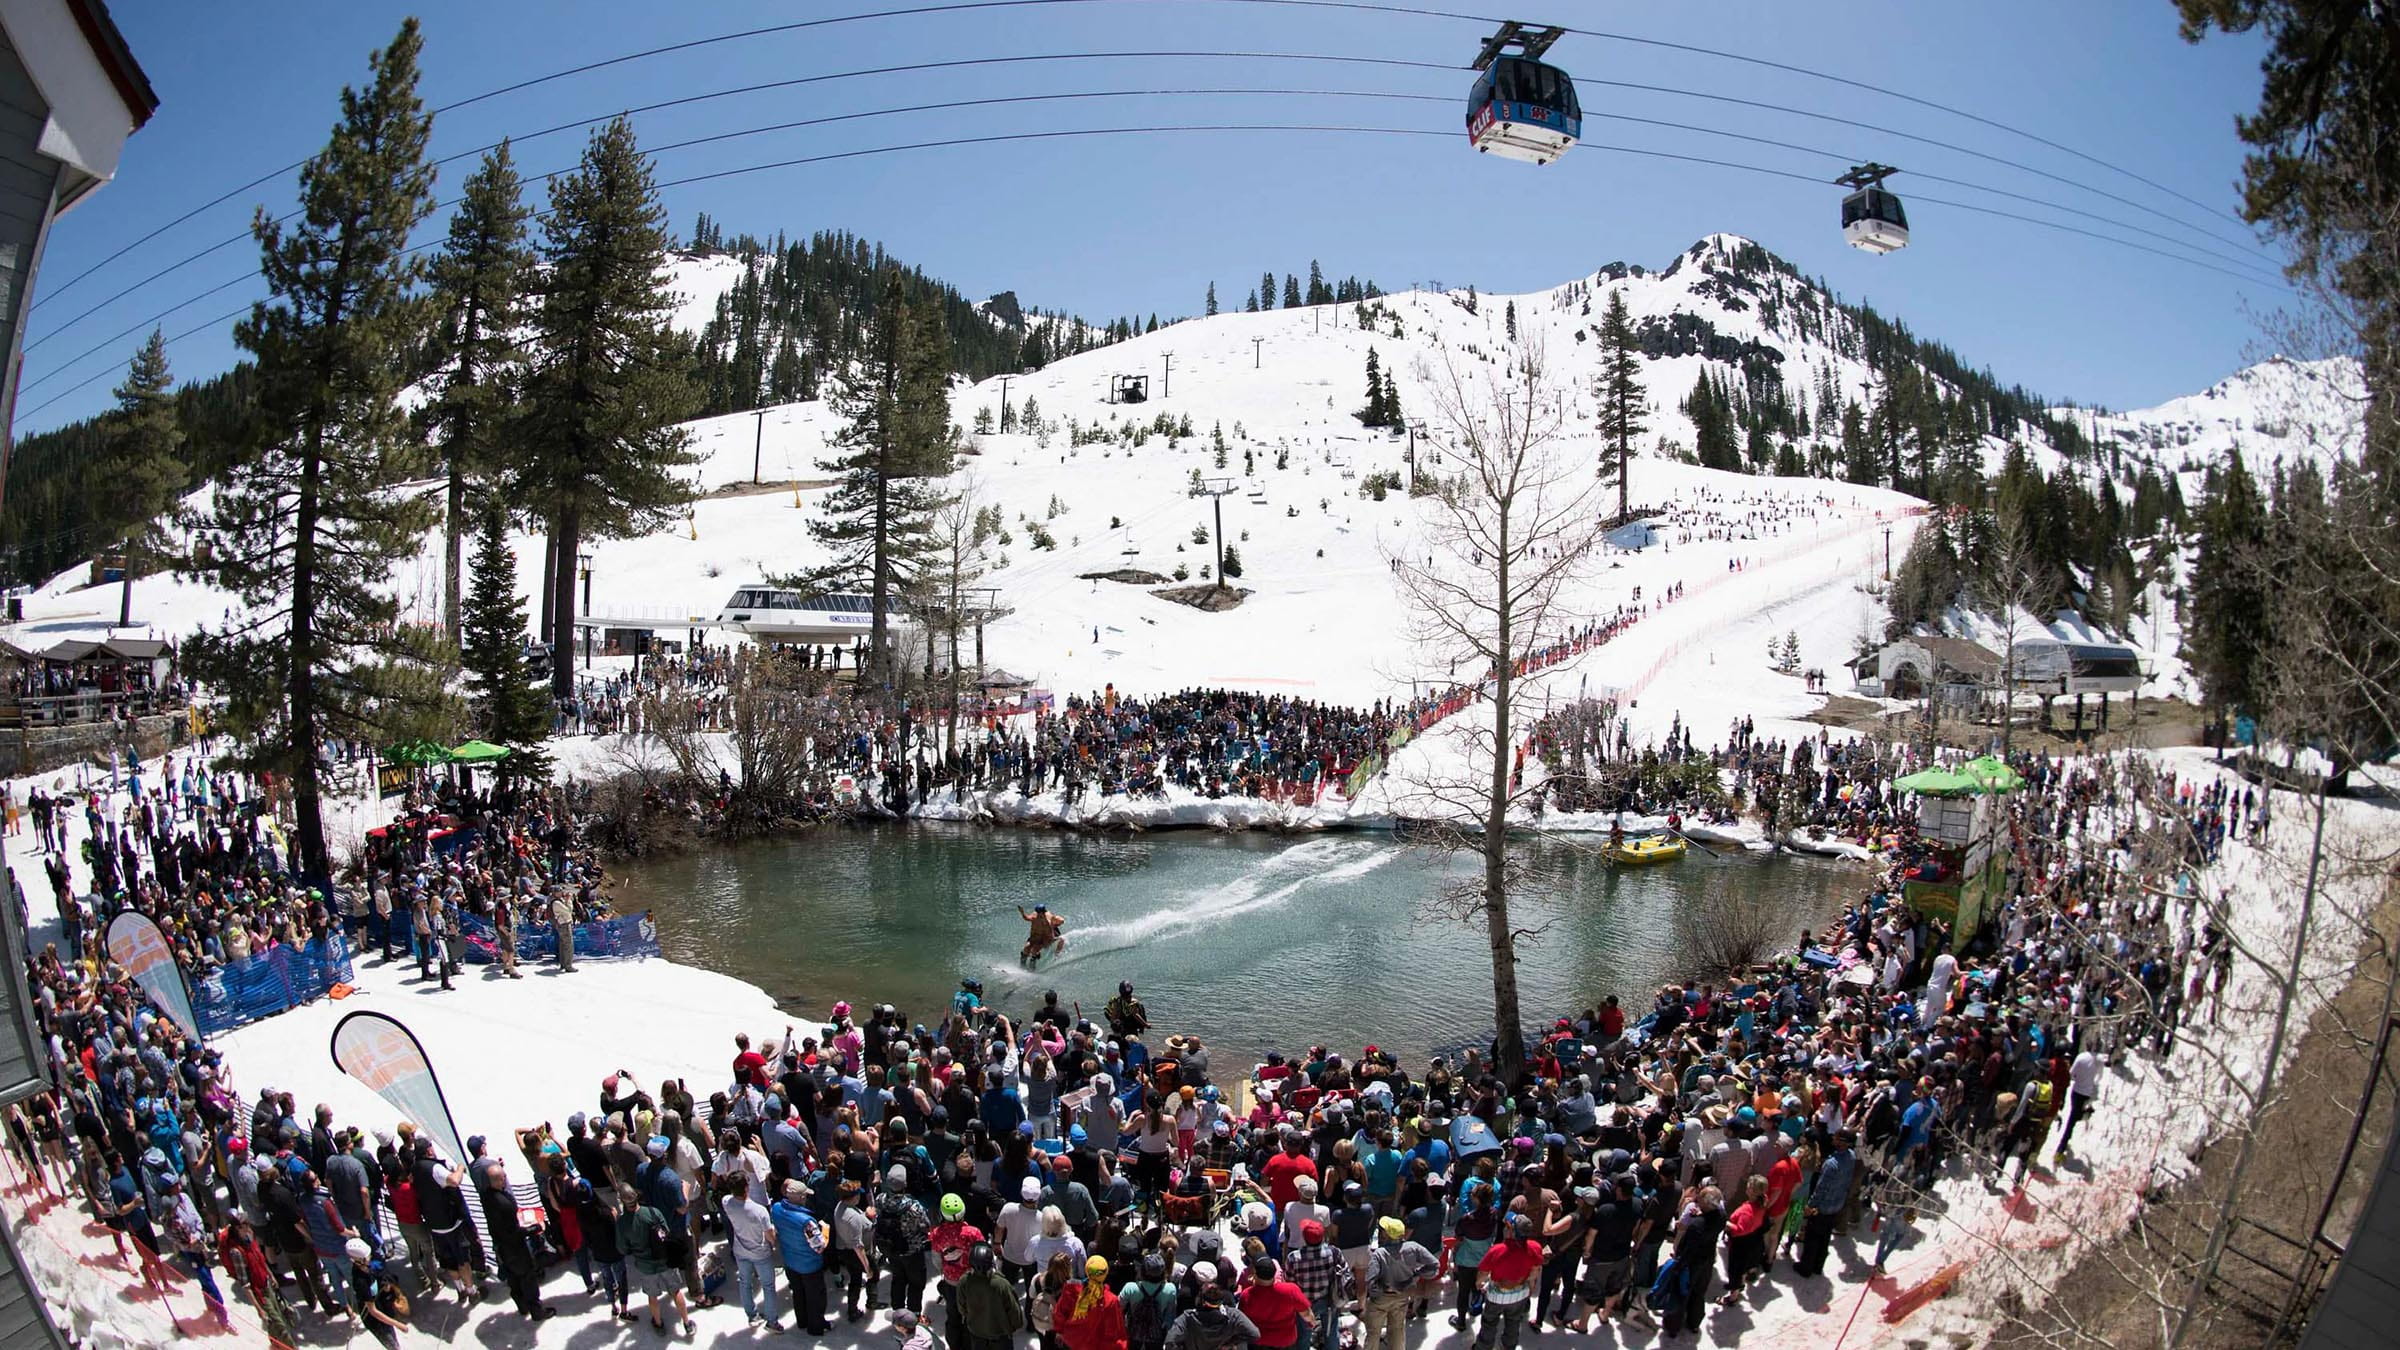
[[1291, 291], [607, 386], [144, 463], [1374, 414], [1212, 300], [1318, 292], [896, 443], [306, 535], [507, 701], [2228, 622], [479, 283], [1624, 410]]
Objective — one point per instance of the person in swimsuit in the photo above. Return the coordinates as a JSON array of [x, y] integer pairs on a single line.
[[1042, 933]]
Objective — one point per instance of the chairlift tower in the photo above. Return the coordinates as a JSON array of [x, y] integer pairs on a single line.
[[1220, 489]]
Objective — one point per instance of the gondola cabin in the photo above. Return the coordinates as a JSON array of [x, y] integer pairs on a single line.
[[1872, 216], [776, 614], [1520, 107]]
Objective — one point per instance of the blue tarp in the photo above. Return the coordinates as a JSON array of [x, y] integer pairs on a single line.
[[270, 982], [623, 936]]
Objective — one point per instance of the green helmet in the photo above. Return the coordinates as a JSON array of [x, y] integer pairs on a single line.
[[953, 1207]]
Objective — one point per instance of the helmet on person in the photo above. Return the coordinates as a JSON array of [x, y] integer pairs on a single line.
[[953, 1207], [971, 986], [981, 1259], [1124, 986], [1041, 909]]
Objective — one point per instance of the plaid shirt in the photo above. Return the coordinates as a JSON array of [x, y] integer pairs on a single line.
[[1320, 1271]]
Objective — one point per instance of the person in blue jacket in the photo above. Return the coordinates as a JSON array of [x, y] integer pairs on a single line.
[[801, 1240]]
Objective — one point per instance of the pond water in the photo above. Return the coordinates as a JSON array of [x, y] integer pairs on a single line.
[[1252, 941]]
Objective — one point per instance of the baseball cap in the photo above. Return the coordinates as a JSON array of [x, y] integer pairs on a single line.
[[1393, 1228], [1312, 1231], [1030, 1189]]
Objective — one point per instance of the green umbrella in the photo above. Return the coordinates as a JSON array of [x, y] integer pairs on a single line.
[[1937, 782], [478, 752], [419, 753], [1992, 774]]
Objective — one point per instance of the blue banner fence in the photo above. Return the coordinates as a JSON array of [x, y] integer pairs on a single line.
[[625, 936], [269, 982]]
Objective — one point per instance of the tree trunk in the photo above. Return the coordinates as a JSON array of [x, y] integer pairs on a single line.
[[564, 540], [951, 734], [315, 865], [1508, 1040], [453, 536], [880, 583], [548, 588]]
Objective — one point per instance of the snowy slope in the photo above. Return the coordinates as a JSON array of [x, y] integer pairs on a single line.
[[2297, 411], [1324, 620]]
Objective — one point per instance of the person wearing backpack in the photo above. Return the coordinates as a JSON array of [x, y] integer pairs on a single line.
[[1396, 1270], [650, 1238], [1149, 1302], [902, 1238]]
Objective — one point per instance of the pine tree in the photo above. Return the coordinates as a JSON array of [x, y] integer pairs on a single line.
[[1233, 563], [143, 464], [479, 279], [2228, 621], [1266, 291], [608, 383], [784, 377], [306, 536], [1624, 410], [1212, 300], [897, 442], [506, 699], [1512, 320], [1291, 291], [1374, 414], [1250, 305], [1318, 292]]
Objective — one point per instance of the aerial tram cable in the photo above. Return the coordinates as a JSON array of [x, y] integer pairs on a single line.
[[962, 6], [150, 321], [1402, 63], [794, 82], [1785, 66], [230, 315]]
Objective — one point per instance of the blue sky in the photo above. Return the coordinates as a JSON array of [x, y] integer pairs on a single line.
[[1106, 226]]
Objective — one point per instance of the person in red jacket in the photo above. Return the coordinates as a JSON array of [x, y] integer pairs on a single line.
[[1088, 1315], [238, 1250], [1276, 1305]]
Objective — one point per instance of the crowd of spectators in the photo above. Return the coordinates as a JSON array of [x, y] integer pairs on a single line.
[[1107, 1188]]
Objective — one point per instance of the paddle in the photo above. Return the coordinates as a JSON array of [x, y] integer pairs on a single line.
[[1694, 843]]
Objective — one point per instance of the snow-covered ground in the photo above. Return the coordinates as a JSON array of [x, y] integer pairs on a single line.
[[523, 1052], [1759, 557]]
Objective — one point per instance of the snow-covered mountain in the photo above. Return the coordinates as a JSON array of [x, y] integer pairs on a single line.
[[1111, 483]]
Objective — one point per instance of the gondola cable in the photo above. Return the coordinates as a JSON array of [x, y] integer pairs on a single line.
[[836, 156], [972, 5]]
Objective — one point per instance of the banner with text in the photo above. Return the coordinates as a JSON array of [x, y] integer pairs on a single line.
[[135, 942], [386, 1056]]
